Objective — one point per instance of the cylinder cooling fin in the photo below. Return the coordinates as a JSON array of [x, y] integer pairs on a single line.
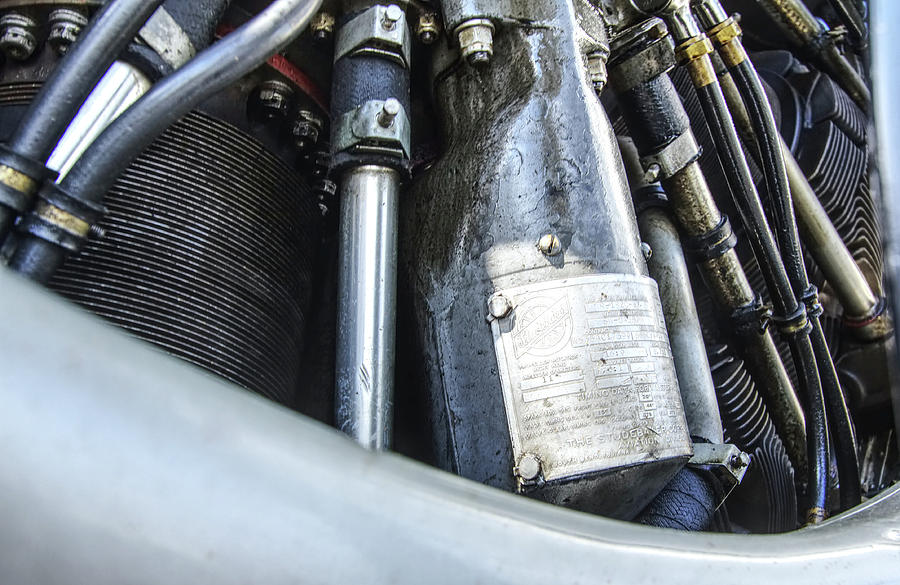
[[589, 269], [205, 252]]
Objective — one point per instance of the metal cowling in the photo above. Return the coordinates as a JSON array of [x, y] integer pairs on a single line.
[[205, 253]]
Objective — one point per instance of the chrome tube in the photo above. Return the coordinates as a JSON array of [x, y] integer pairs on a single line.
[[669, 270], [121, 86], [827, 247], [367, 304]]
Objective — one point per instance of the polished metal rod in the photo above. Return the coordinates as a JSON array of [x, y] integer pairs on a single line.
[[367, 304]]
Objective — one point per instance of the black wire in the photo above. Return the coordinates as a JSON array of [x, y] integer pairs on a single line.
[[211, 71], [97, 47], [59, 99], [769, 146], [852, 19], [786, 302]]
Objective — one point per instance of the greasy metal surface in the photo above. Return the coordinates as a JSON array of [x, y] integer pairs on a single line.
[[529, 152], [146, 470], [367, 305], [206, 253], [668, 267], [589, 382]]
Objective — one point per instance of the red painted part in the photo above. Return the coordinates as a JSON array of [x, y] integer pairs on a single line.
[[295, 75]]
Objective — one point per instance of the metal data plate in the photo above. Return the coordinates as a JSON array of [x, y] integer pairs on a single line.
[[587, 374]]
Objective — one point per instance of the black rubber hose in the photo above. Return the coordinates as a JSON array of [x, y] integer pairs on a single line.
[[786, 302], [197, 18], [747, 201], [211, 71], [688, 502], [755, 100], [97, 47], [50, 113], [852, 19]]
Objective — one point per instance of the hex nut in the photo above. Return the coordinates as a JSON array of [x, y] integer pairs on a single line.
[[476, 41], [427, 28], [17, 40], [65, 26]]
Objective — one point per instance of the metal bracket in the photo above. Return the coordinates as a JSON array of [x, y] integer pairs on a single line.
[[165, 36], [380, 31], [380, 127], [672, 158], [726, 462]]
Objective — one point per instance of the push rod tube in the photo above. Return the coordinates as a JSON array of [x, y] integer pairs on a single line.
[[367, 304], [860, 303], [664, 139], [669, 270]]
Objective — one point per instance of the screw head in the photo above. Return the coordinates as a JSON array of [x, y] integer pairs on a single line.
[[647, 251], [652, 173], [17, 38], [389, 110], [529, 467], [273, 100], [499, 306], [392, 15], [427, 28], [322, 27], [549, 245], [65, 26]]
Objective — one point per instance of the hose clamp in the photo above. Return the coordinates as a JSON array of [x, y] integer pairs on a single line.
[[61, 219], [20, 177], [796, 324], [639, 58], [726, 462], [379, 31], [671, 158], [713, 243], [376, 127], [752, 318]]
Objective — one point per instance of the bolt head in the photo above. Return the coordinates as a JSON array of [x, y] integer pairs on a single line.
[[62, 36], [529, 467], [476, 41], [392, 15], [322, 27], [18, 44], [389, 110], [652, 173], [549, 245], [427, 28], [647, 251], [499, 306]]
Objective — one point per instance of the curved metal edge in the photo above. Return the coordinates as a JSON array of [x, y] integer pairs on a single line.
[[121, 464]]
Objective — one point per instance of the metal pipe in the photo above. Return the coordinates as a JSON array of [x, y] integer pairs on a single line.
[[669, 270], [818, 232], [367, 304], [807, 33], [120, 87], [142, 469], [697, 213]]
